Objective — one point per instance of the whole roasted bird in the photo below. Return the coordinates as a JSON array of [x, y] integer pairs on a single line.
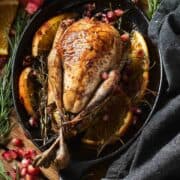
[[81, 52]]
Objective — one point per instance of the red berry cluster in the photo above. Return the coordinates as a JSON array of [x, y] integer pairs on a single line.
[[24, 159]]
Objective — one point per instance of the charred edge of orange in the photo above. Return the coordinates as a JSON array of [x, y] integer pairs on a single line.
[[128, 120], [24, 91]]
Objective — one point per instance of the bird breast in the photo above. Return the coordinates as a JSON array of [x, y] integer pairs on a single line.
[[87, 48]]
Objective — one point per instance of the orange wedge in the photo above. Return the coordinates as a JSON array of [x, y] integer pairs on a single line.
[[44, 37], [113, 120], [8, 9], [139, 56], [26, 91]]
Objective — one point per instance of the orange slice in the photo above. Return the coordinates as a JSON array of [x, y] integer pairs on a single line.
[[26, 91], [139, 67], [8, 11], [113, 120], [44, 37]]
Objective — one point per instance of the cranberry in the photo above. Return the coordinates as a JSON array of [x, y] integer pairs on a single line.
[[25, 162], [33, 170], [33, 122], [13, 154], [30, 154], [111, 16], [23, 172], [118, 12], [104, 75], [7, 156], [140, 53], [125, 37], [20, 152], [17, 142], [136, 110]]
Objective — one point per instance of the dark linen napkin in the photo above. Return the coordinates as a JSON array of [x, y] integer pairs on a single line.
[[155, 155]]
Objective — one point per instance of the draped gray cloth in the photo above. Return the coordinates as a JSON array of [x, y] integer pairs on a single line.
[[155, 155]]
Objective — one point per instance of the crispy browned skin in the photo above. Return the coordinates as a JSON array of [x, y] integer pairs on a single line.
[[87, 48]]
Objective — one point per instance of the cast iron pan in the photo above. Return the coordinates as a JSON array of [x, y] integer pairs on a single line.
[[83, 158]]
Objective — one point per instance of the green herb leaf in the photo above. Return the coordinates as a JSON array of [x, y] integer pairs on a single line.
[[152, 7], [3, 173], [5, 79]]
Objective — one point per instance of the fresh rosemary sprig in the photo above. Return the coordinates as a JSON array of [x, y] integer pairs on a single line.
[[3, 173], [152, 7], [5, 79], [148, 6]]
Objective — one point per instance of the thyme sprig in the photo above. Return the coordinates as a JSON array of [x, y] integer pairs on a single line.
[[42, 79], [5, 79]]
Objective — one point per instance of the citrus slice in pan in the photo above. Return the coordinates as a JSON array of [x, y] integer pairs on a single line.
[[113, 120], [44, 37], [137, 71], [26, 91]]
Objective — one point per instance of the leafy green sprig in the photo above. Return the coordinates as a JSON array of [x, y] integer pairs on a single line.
[[5, 79], [3, 173], [152, 7]]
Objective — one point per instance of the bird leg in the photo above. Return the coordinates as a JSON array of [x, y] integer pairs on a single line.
[[45, 158], [62, 155]]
